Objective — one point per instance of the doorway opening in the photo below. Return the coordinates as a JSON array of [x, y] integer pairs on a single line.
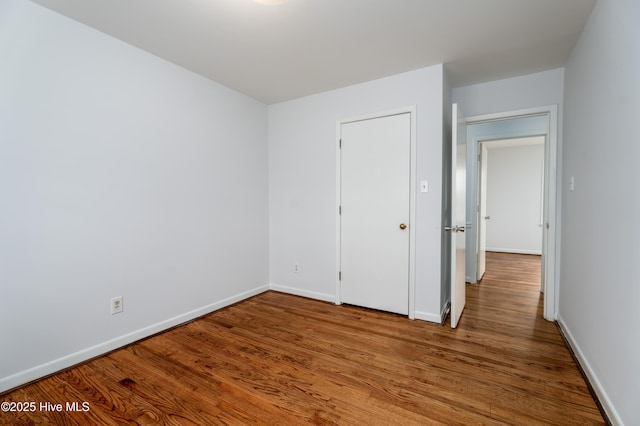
[[510, 198], [534, 122]]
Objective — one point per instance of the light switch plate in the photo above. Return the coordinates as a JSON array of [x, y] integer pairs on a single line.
[[424, 186]]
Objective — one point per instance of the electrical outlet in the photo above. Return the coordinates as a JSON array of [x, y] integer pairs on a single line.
[[116, 305], [296, 268]]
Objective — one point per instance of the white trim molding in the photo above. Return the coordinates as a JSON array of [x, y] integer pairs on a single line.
[[427, 316], [303, 293], [603, 397], [516, 251]]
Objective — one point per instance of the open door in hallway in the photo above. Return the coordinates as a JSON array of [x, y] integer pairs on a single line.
[[457, 219]]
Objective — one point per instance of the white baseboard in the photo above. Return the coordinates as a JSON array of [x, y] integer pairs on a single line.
[[51, 367], [588, 371], [331, 298], [427, 316], [304, 293], [515, 251]]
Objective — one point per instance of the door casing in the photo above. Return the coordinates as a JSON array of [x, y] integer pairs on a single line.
[[411, 110], [482, 211]]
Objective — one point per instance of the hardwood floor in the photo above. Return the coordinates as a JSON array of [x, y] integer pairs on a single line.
[[278, 359]]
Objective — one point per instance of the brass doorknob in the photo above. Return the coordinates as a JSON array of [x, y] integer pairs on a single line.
[[403, 226]]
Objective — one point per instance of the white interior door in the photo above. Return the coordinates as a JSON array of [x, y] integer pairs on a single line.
[[375, 211], [482, 212], [457, 220]]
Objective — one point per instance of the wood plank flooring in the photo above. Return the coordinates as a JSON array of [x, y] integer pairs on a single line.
[[278, 359]]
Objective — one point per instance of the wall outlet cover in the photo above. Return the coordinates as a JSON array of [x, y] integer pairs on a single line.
[[116, 305]]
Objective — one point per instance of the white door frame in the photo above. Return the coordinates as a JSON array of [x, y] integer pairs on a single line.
[[482, 165], [551, 223], [411, 110]]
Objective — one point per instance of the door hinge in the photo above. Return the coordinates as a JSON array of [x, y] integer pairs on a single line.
[[340, 143], [340, 276], [340, 210]]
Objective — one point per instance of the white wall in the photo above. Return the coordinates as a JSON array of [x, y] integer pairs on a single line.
[[120, 175], [600, 294], [514, 198], [302, 182], [527, 91]]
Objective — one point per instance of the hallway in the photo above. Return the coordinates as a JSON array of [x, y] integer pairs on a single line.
[[511, 283]]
